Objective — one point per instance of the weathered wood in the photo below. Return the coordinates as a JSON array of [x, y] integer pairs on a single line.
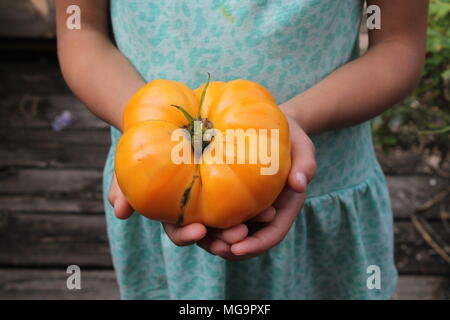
[[423, 288], [27, 18], [409, 192], [53, 216], [402, 162], [51, 284], [53, 155], [49, 138], [53, 240], [39, 284], [24, 72], [35, 181], [42, 204], [35, 111], [413, 255]]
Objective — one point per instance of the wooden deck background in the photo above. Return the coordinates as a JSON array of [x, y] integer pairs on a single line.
[[51, 211]]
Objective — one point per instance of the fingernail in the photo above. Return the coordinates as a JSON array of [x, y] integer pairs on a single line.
[[301, 178], [238, 253]]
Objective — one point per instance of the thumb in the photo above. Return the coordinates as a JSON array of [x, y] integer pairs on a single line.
[[122, 208], [303, 157]]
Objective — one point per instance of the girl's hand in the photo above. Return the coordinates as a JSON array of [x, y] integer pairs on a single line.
[[271, 226], [116, 198], [181, 236]]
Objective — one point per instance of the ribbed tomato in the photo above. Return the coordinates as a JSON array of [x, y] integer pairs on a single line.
[[216, 193]]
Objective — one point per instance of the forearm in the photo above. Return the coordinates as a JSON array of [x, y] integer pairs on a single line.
[[365, 87], [360, 90], [101, 77], [94, 69]]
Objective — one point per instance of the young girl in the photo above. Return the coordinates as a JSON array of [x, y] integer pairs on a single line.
[[336, 244]]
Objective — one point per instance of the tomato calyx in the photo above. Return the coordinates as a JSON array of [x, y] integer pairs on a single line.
[[198, 125]]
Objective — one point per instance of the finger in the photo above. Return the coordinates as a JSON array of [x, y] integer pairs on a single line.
[[122, 208], [214, 246], [219, 248], [266, 216], [186, 235], [111, 196], [303, 157], [273, 233], [112, 191], [222, 249], [230, 235]]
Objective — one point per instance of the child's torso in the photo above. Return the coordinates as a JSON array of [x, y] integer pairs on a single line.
[[286, 45]]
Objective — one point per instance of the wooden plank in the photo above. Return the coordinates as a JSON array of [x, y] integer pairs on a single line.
[[53, 155], [35, 181], [41, 204], [27, 48], [51, 284], [38, 111], [36, 284], [32, 74], [423, 288], [45, 239], [49, 138], [30, 142], [27, 18], [404, 162], [53, 240], [409, 192], [413, 255], [39, 83]]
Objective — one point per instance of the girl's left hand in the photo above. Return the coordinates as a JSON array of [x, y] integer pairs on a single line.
[[271, 226]]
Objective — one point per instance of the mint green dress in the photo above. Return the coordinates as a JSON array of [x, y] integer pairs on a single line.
[[288, 46]]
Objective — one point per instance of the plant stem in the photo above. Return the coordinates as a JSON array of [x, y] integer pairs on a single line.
[[437, 131], [187, 115], [202, 98], [197, 126]]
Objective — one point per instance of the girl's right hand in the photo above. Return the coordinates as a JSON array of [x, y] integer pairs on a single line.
[[181, 236], [116, 198]]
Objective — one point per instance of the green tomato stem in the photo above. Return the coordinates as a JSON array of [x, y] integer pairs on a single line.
[[187, 115], [196, 131], [202, 98]]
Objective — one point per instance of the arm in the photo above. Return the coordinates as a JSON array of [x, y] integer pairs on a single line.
[[94, 69], [365, 87]]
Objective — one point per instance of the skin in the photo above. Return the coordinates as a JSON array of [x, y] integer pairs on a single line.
[[93, 68]]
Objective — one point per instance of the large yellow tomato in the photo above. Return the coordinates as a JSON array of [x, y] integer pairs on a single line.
[[216, 193]]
